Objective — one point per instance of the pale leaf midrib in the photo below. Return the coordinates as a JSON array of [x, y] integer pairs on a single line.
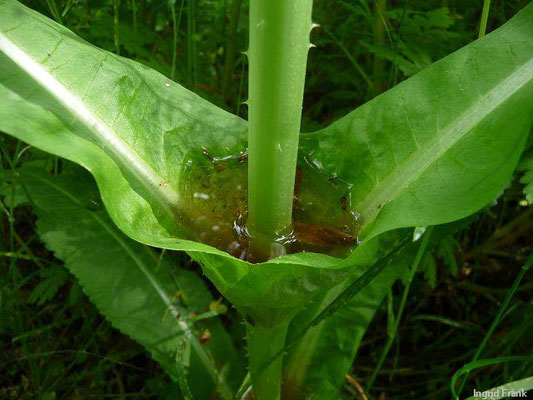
[[123, 153], [413, 167]]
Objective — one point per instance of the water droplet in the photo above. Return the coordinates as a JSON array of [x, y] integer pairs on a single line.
[[418, 233], [199, 195], [318, 164]]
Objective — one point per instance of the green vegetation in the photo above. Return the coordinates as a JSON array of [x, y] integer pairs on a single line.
[[407, 219]]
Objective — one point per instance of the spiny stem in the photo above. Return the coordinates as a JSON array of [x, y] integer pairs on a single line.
[[279, 43]]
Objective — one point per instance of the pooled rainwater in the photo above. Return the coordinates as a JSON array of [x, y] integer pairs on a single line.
[[214, 196]]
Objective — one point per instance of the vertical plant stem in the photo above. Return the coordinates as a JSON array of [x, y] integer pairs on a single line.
[[263, 344], [116, 5], [378, 86], [11, 206], [484, 18], [191, 40], [229, 60], [279, 43], [134, 14], [390, 339], [498, 317], [393, 76], [175, 30]]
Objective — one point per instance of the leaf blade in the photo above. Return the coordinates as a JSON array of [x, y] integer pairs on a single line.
[[442, 144], [127, 284]]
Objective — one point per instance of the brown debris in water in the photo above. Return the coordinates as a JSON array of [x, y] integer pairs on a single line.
[[215, 193], [320, 238]]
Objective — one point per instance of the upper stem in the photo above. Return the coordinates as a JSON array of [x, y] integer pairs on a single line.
[[279, 43]]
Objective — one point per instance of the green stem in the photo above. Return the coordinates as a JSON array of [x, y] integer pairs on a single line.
[[279, 42], [378, 86], [116, 6], [172, 6], [175, 30], [231, 41], [134, 14], [191, 40], [497, 319], [484, 18], [405, 294], [263, 344]]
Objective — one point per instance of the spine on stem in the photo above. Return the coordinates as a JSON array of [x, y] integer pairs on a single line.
[[279, 43]]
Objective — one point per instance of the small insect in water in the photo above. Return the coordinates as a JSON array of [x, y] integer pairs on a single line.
[[243, 157], [215, 163], [344, 203], [181, 297], [204, 336]]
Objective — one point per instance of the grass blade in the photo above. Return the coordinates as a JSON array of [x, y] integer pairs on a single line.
[[465, 370], [492, 327], [390, 338]]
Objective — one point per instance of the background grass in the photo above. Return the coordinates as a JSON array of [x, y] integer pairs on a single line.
[[55, 345]]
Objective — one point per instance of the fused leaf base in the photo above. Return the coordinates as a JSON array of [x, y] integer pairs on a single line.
[[434, 149]]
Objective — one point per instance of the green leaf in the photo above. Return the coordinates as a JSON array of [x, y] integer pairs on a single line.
[[526, 166], [317, 367], [52, 279], [439, 18], [324, 356], [429, 268], [12, 195], [446, 249], [485, 363], [442, 144], [435, 148], [138, 291]]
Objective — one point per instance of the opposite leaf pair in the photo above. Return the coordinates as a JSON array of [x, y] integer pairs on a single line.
[[433, 149]]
